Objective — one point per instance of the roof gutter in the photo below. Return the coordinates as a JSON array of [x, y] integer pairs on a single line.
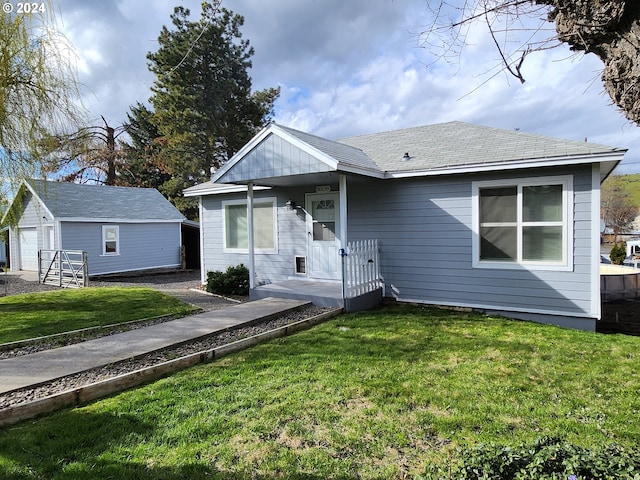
[[615, 157]]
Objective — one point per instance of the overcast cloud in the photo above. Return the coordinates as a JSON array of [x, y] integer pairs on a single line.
[[348, 67]]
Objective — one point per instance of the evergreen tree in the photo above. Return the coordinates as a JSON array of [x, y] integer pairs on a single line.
[[204, 109], [142, 166]]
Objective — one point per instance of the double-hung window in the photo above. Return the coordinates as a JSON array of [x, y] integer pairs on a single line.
[[110, 240], [236, 226], [525, 222]]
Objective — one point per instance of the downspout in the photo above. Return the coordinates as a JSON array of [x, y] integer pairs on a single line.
[[252, 264]]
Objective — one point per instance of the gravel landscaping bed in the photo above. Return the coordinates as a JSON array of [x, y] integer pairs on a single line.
[[151, 359], [26, 347]]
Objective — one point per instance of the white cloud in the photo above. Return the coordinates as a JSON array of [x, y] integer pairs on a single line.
[[353, 67]]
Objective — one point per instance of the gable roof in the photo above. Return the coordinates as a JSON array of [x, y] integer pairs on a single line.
[[283, 155], [345, 154], [66, 201]]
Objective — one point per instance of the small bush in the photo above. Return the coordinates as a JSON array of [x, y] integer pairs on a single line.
[[545, 459], [618, 253], [234, 281]]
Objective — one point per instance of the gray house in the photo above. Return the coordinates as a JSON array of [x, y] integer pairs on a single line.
[[121, 229], [451, 214]]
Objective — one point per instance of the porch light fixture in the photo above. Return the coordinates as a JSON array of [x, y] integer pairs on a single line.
[[291, 204], [406, 156]]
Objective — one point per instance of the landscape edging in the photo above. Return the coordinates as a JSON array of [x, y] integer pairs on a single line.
[[93, 391]]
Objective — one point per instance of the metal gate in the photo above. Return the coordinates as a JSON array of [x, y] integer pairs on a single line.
[[63, 268]]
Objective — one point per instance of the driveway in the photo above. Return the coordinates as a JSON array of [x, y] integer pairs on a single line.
[[179, 284]]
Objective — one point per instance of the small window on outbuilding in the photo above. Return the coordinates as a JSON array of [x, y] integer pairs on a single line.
[[110, 240]]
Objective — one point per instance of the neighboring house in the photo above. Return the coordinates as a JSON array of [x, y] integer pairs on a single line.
[[122, 229], [464, 215]]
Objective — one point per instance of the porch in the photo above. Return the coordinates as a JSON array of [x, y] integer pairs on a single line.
[[321, 294], [361, 289]]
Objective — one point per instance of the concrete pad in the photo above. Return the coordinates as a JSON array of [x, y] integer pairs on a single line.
[[29, 370]]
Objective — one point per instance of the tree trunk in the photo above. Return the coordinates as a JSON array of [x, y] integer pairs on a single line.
[[611, 30]]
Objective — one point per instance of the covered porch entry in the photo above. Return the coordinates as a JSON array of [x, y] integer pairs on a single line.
[[278, 159]]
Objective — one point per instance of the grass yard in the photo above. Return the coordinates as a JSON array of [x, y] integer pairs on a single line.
[[37, 314], [373, 395]]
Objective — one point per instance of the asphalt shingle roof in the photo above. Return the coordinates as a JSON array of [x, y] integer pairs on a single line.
[[459, 144], [345, 154], [72, 200]]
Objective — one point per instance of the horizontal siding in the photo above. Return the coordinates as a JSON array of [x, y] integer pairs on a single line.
[[270, 267], [424, 231], [142, 245]]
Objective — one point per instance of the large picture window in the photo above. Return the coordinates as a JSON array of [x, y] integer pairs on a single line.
[[523, 222], [236, 226]]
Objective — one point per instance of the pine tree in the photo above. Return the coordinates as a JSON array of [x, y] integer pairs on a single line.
[[204, 108]]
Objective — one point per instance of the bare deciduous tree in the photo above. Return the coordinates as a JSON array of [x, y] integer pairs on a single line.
[[609, 29], [616, 208], [91, 154]]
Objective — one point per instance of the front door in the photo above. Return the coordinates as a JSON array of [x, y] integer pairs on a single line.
[[323, 226]]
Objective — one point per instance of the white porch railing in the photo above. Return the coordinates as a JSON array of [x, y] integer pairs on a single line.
[[361, 268], [63, 268]]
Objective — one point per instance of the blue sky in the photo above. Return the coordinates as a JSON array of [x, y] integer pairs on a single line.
[[353, 67]]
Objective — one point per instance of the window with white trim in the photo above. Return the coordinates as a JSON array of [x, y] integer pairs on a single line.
[[524, 222], [110, 240], [236, 226]]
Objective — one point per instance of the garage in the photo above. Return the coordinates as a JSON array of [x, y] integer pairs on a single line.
[[28, 249]]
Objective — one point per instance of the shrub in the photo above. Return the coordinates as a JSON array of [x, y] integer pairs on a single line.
[[618, 253], [234, 281], [547, 458]]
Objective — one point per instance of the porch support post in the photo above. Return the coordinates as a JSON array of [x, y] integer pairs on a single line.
[[252, 263], [342, 183], [343, 210]]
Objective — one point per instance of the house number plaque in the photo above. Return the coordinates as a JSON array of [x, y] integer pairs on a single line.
[[323, 188]]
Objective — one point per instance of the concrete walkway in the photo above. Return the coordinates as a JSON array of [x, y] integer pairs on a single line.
[[30, 370]]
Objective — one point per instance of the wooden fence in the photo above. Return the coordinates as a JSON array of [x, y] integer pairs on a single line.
[[63, 268], [362, 268]]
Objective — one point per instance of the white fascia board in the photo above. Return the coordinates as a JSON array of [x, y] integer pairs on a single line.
[[35, 195], [313, 151], [362, 171], [219, 189], [250, 145], [331, 162], [116, 220], [510, 165]]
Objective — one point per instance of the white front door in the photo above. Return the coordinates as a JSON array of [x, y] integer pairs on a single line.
[[323, 226]]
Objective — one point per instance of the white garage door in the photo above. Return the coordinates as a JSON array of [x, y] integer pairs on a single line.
[[28, 249]]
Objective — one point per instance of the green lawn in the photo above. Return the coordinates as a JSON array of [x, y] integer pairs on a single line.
[[37, 314], [372, 395]]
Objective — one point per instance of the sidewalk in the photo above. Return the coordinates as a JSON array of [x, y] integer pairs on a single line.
[[30, 370]]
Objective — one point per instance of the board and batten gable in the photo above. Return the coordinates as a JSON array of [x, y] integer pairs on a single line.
[[270, 266], [134, 252], [275, 157], [425, 232]]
